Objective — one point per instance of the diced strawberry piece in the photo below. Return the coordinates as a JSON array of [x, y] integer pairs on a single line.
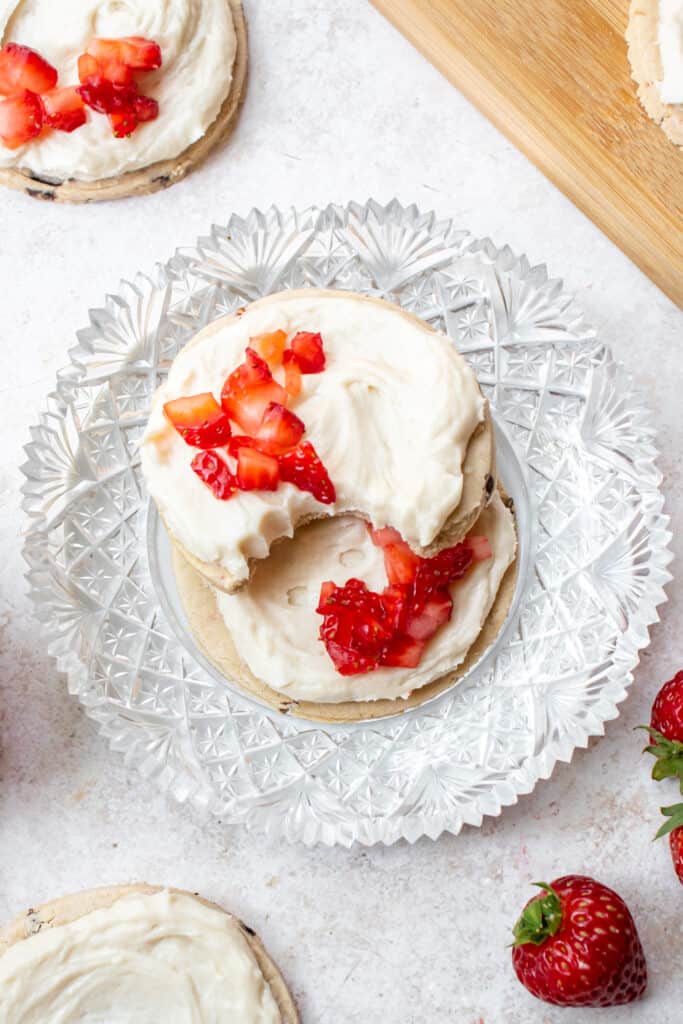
[[308, 349], [238, 441], [199, 420], [135, 51], [110, 68], [480, 548], [400, 563], [303, 468], [88, 67], [146, 109], [292, 375], [64, 110], [247, 408], [281, 427], [108, 98], [326, 593], [257, 471], [437, 573], [387, 535], [254, 370], [355, 618], [270, 346], [22, 68], [395, 600], [347, 662], [405, 653], [215, 473], [249, 390], [21, 119], [423, 620], [123, 123]]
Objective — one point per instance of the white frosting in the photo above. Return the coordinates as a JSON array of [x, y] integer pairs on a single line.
[[275, 627], [390, 417], [148, 959], [670, 36], [198, 44]]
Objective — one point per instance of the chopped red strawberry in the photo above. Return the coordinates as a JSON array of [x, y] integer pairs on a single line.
[[355, 629], [64, 109], [387, 535], [270, 346], [281, 427], [415, 605], [135, 51], [292, 375], [22, 68], [215, 473], [107, 97], [123, 123], [348, 662], [247, 408], [199, 420], [438, 572], [303, 468], [396, 599], [406, 652], [308, 349], [146, 109], [400, 563], [257, 471], [425, 618], [238, 441], [480, 548], [249, 390], [111, 69], [21, 119]]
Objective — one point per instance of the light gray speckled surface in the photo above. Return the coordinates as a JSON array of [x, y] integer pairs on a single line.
[[339, 107]]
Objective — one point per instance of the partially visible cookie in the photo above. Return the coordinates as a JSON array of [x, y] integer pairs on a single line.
[[67, 909], [646, 67], [156, 176], [217, 643]]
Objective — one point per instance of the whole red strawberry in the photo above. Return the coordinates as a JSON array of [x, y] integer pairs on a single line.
[[667, 710], [576, 945], [674, 829]]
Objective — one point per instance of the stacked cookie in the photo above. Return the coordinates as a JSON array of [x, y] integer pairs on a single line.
[[342, 547]]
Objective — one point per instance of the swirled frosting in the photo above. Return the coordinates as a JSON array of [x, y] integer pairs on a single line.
[[198, 44], [164, 958], [274, 625], [391, 417]]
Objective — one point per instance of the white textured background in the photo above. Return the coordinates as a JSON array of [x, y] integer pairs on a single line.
[[339, 107]]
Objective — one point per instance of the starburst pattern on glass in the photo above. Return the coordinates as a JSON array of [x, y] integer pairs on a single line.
[[595, 535]]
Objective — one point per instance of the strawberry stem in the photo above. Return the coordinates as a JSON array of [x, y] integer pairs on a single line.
[[675, 816], [540, 919], [668, 756]]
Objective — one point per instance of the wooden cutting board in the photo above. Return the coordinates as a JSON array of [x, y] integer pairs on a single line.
[[554, 76]]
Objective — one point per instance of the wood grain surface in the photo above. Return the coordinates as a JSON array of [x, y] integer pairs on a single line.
[[554, 76]]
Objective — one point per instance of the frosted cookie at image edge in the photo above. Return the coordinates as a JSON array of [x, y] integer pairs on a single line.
[[141, 953], [396, 417], [265, 636], [655, 50], [198, 88]]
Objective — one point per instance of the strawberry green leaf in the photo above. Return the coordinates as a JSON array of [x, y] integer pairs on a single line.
[[675, 816], [540, 919], [668, 756]]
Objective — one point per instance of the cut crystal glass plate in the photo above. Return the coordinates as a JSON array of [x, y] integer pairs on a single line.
[[577, 452]]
